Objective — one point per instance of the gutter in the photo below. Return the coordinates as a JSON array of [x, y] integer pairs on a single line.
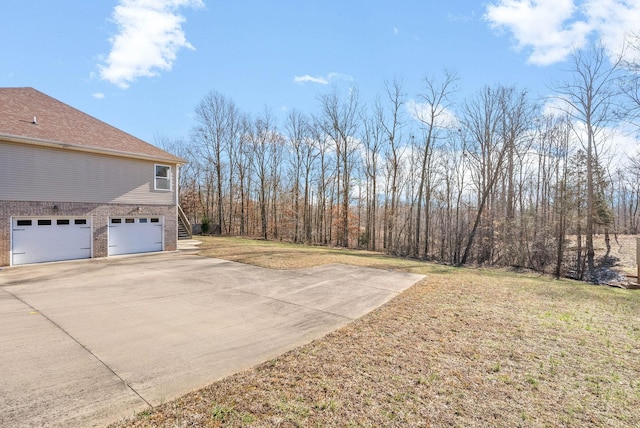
[[87, 149]]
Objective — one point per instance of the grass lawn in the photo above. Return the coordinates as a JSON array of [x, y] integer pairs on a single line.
[[465, 347]]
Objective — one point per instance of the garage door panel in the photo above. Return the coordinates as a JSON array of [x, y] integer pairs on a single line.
[[44, 240], [135, 235]]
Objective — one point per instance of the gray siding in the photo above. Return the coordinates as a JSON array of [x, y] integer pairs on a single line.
[[31, 173]]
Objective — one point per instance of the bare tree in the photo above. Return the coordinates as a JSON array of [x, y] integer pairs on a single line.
[[487, 149], [372, 139], [243, 164], [454, 163], [277, 146], [516, 113], [322, 144], [217, 121], [263, 139], [588, 98], [307, 153], [433, 118], [340, 122], [552, 189], [297, 128], [391, 125], [630, 81]]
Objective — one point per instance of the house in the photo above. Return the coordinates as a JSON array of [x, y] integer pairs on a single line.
[[73, 187]]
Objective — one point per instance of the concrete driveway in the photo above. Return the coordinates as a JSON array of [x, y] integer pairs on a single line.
[[88, 342]]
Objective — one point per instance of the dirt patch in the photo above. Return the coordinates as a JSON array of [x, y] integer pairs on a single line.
[[616, 266], [623, 248], [465, 347]]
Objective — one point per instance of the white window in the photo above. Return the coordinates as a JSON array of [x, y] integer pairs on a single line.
[[163, 177]]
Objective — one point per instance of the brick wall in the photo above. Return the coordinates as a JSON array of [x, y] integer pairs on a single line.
[[99, 213]]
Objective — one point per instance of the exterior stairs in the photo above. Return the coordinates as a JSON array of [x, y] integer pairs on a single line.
[[184, 226]]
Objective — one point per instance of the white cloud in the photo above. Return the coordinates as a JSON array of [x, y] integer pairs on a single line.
[[614, 20], [540, 25], [552, 29], [98, 95], [422, 112], [556, 106], [615, 142], [322, 80], [149, 36], [623, 145], [307, 78]]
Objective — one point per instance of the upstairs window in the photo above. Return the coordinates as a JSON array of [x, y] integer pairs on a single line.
[[163, 177]]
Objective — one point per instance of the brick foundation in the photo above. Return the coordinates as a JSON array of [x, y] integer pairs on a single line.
[[99, 213]]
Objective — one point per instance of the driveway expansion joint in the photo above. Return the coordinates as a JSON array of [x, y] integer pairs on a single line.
[[69, 335], [288, 302]]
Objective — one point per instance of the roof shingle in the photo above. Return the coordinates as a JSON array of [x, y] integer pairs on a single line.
[[57, 122]]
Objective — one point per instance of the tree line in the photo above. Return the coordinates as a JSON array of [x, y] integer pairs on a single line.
[[498, 178]]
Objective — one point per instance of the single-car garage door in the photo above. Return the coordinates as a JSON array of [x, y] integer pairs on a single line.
[[36, 240], [128, 235]]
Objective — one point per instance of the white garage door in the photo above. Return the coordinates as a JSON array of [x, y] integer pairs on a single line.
[[36, 240], [128, 235]]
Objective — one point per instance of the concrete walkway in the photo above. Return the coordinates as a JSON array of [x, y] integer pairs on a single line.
[[85, 343]]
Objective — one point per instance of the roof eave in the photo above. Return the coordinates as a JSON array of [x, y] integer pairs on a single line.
[[80, 148]]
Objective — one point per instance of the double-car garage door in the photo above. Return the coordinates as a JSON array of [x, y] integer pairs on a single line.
[[45, 239]]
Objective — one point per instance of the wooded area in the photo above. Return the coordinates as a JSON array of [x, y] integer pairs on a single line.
[[497, 179]]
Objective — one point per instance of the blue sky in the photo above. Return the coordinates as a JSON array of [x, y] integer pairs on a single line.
[[143, 65]]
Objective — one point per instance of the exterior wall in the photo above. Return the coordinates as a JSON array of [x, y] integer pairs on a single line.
[[34, 173], [99, 214]]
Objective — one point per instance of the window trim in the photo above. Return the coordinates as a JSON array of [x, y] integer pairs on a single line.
[[166, 179]]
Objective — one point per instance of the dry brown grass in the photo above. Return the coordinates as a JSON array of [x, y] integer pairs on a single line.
[[465, 347]]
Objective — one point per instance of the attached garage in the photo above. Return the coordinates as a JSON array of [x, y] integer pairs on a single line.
[[129, 235], [47, 239]]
